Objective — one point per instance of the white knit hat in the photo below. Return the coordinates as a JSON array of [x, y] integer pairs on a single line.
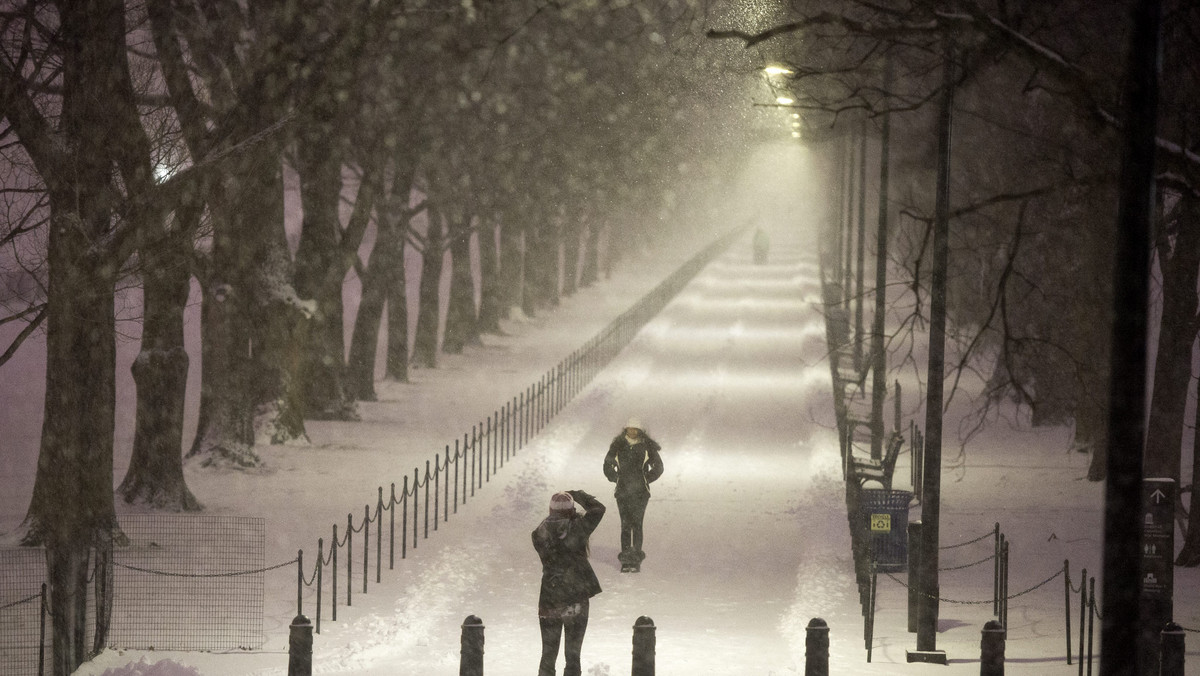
[[635, 424], [562, 503]]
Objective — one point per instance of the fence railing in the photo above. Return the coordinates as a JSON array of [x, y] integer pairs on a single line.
[[431, 495]]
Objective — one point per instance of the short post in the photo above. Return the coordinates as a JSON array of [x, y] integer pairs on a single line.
[[1171, 651], [816, 648], [991, 649], [300, 641], [643, 647], [471, 661]]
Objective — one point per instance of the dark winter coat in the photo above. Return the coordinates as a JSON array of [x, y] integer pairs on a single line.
[[562, 543], [633, 466]]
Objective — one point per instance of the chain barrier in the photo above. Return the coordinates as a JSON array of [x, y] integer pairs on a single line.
[[974, 603], [27, 599], [990, 533], [235, 573], [989, 557]]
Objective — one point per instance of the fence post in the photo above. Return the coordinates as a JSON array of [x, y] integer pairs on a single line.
[[349, 559], [1171, 650], [643, 647], [1082, 615], [1004, 583], [300, 641], [392, 527], [320, 566], [333, 547], [299, 580], [42, 634], [1067, 603], [996, 569], [991, 649], [471, 658], [816, 648], [1091, 620], [366, 545]]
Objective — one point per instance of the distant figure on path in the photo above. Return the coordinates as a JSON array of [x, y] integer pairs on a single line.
[[568, 581], [761, 244], [633, 463]]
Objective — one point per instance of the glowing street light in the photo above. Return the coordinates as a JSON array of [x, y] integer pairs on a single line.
[[778, 70], [784, 100]]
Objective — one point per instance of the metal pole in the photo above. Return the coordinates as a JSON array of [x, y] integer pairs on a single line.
[[932, 480], [1120, 627]]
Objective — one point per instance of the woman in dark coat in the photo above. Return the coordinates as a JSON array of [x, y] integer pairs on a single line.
[[633, 463], [568, 581]]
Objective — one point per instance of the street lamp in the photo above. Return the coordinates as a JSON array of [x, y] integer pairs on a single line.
[[784, 100], [778, 70]]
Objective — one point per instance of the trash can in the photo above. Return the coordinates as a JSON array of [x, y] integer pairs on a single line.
[[885, 514]]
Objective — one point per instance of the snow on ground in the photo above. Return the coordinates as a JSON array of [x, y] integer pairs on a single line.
[[746, 532]]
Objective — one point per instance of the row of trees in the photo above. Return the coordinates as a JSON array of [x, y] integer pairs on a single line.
[[148, 143], [1036, 145]]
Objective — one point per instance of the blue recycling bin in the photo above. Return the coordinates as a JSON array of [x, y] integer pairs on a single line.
[[884, 513]]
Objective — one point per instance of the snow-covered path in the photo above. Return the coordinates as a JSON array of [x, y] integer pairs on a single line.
[[745, 533]]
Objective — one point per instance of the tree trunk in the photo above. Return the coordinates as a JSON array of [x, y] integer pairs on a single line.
[[360, 368], [319, 276], [491, 304], [385, 262], [512, 266], [72, 503], [248, 311], [461, 326], [1190, 554], [426, 344], [1173, 363], [155, 474], [396, 290], [571, 245], [590, 273]]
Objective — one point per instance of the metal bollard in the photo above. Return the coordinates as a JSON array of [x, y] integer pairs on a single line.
[[471, 662], [1171, 650], [816, 648], [300, 642], [643, 647], [991, 649]]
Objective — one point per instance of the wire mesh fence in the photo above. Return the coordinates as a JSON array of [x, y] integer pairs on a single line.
[[179, 581], [189, 582], [21, 609]]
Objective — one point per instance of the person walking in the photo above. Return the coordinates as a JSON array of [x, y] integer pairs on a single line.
[[633, 463], [568, 581]]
